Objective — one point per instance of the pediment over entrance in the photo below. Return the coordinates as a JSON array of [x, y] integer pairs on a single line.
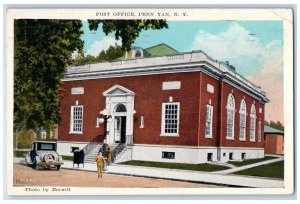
[[117, 90]]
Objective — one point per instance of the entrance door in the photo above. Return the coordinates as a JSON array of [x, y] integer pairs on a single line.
[[120, 129], [123, 129]]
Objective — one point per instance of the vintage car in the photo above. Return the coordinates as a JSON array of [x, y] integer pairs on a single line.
[[43, 154]]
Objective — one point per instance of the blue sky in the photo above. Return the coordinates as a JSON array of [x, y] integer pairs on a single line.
[[255, 48], [181, 36]]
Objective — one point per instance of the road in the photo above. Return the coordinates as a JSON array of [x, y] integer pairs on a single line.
[[26, 176]]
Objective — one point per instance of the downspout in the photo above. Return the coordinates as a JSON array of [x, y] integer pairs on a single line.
[[220, 119], [199, 109]]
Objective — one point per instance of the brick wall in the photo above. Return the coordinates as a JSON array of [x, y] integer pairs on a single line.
[[149, 96], [274, 144]]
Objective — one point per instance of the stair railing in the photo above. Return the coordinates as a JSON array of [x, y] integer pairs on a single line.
[[89, 147], [118, 149]]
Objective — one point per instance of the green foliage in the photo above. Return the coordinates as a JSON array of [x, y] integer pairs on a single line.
[[193, 167], [23, 139], [277, 125], [127, 30], [112, 53], [43, 49], [19, 153]]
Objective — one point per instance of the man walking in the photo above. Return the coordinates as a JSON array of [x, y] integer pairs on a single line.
[[100, 163], [109, 156]]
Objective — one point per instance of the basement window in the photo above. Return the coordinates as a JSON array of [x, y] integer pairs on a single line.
[[168, 155], [230, 156], [209, 156], [243, 156]]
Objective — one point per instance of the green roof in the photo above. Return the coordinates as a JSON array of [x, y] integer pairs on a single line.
[[159, 50], [270, 130]]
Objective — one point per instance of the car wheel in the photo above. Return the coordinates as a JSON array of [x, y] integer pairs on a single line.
[[58, 167]]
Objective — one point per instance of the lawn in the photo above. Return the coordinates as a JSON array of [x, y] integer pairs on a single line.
[[250, 161], [20, 153], [193, 167], [70, 158], [274, 170]]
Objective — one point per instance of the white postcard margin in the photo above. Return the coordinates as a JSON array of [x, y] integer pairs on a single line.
[[286, 15]]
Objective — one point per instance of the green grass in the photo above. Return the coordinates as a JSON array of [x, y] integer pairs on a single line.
[[250, 161], [18, 153], [274, 170], [70, 158], [194, 167]]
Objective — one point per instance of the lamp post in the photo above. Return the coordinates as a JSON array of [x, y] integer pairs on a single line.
[[104, 118]]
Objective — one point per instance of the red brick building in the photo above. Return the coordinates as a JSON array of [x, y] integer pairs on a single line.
[[176, 107], [274, 140]]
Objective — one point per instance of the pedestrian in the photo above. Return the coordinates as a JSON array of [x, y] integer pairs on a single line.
[[109, 150], [100, 163]]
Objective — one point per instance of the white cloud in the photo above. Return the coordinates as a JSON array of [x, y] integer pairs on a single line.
[[270, 78], [231, 45], [103, 44], [261, 64]]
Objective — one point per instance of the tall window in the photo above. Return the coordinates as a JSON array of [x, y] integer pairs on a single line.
[[252, 123], [76, 119], [208, 124], [259, 131], [243, 120], [230, 117], [170, 119]]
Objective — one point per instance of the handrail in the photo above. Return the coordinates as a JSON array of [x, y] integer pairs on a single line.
[[89, 147], [118, 150]]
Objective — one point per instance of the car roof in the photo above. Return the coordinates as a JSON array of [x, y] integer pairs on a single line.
[[44, 141]]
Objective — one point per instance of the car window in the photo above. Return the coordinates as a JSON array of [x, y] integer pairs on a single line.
[[46, 146]]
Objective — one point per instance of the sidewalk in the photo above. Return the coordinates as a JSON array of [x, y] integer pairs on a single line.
[[180, 175]]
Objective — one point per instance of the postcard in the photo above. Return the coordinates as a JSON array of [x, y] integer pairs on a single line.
[[149, 101]]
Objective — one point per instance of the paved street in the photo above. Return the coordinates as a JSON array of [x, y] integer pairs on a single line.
[[26, 176], [180, 175]]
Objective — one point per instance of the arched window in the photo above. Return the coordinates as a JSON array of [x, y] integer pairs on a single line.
[[121, 108], [252, 123], [230, 117], [259, 131], [243, 120]]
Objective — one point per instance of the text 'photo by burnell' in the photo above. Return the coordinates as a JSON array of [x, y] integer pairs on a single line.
[[149, 101]]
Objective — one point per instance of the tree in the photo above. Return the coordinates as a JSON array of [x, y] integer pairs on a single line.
[[277, 125], [112, 53], [127, 30], [43, 49], [89, 59]]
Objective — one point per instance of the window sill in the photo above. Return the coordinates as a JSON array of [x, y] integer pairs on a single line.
[[243, 140], [252, 140], [229, 138], [208, 137], [167, 135], [75, 133]]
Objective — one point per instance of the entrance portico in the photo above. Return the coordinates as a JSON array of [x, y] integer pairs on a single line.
[[120, 106]]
